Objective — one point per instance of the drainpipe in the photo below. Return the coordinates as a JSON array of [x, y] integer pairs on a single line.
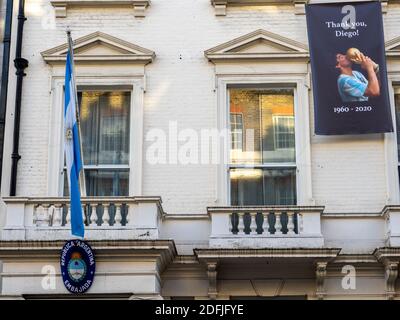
[[20, 64], [4, 77]]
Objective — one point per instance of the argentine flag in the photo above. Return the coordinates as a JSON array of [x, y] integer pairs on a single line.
[[72, 149]]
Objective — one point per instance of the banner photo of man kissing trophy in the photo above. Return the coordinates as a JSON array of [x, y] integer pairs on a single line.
[[348, 64]]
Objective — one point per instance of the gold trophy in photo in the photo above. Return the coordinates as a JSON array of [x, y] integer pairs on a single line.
[[354, 55]]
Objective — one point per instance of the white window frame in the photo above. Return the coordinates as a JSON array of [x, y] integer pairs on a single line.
[[56, 157], [391, 155], [299, 83]]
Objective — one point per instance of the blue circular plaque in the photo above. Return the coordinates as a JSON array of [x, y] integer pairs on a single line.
[[77, 266]]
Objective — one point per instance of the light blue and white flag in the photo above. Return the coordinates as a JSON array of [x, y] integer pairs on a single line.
[[73, 148]]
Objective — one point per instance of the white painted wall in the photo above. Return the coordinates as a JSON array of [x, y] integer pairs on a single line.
[[355, 235], [126, 276], [348, 173]]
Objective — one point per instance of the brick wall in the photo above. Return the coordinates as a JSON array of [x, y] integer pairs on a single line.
[[348, 172]]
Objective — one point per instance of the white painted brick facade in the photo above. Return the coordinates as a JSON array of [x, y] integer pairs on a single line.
[[348, 173]]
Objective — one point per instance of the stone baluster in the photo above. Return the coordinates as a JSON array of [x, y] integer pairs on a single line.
[[290, 224], [241, 222], [106, 215], [118, 216], [278, 223], [93, 215], [265, 225], [253, 223]]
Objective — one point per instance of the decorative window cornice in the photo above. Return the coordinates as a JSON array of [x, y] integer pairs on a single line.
[[100, 47], [393, 48], [299, 5], [258, 45], [61, 6], [265, 45]]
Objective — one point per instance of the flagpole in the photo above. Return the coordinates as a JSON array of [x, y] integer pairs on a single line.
[[78, 119]]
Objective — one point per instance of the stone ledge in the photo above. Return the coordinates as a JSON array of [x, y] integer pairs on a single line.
[[254, 242], [61, 6], [20, 250], [299, 5], [268, 253]]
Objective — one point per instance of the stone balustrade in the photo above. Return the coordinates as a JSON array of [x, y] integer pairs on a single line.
[[266, 226], [116, 218]]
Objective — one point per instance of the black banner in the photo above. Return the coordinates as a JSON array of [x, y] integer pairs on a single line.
[[348, 65]]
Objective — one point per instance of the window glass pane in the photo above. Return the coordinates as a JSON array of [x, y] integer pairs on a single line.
[[104, 183], [105, 127], [269, 113], [263, 186], [277, 121], [107, 182]]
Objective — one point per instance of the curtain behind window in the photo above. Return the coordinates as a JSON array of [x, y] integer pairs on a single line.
[[105, 127]]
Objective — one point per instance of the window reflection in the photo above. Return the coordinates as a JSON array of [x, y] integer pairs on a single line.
[[105, 127], [267, 114], [270, 114]]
